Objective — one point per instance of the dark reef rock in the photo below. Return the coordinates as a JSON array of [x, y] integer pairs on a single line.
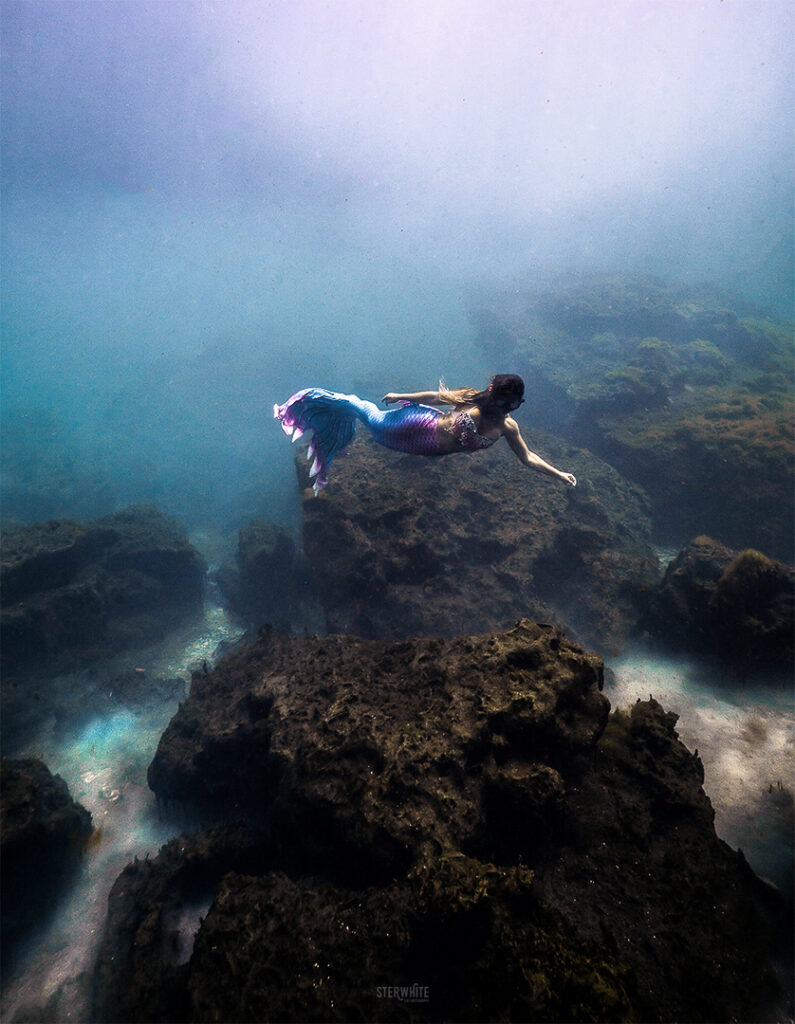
[[43, 835], [326, 735], [72, 592], [153, 911], [456, 940], [402, 545], [459, 815], [736, 606], [266, 584], [684, 391]]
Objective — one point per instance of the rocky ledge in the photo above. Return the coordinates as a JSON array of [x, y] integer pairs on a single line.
[[72, 592], [736, 606], [442, 828], [402, 545], [43, 835], [686, 391]]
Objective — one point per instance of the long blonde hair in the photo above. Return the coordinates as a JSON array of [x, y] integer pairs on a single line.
[[502, 386], [457, 397]]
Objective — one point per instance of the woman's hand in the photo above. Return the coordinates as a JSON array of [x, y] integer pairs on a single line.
[[389, 398], [570, 478]]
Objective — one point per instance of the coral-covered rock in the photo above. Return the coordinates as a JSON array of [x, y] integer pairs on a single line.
[[736, 606], [402, 545], [685, 391], [644, 872], [43, 834], [72, 592], [456, 940], [327, 737], [456, 829]]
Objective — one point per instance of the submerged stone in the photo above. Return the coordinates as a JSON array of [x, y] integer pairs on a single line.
[[448, 829], [738, 607], [73, 592], [406, 545], [43, 837]]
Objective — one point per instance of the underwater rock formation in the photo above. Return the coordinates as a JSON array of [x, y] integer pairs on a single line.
[[463, 816], [154, 909], [329, 732], [72, 591], [403, 545], [258, 585], [267, 583], [736, 606], [42, 835], [687, 392]]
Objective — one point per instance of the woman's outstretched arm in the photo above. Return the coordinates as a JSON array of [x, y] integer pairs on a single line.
[[530, 459], [422, 397]]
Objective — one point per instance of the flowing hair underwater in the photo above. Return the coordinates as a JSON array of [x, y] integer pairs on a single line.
[[503, 388]]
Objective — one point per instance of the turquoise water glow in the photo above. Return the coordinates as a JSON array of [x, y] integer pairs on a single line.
[[104, 762]]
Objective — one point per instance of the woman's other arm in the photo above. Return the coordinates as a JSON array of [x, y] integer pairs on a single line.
[[422, 397], [530, 459]]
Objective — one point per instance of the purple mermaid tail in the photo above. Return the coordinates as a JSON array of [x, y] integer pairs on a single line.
[[332, 419]]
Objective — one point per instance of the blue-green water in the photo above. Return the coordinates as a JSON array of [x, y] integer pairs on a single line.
[[206, 207]]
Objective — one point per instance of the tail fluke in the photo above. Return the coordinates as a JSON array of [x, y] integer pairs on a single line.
[[331, 420]]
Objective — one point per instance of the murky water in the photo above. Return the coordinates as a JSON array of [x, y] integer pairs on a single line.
[[104, 760], [745, 737]]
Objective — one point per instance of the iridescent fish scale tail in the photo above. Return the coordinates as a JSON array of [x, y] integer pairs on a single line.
[[412, 429], [332, 419], [332, 425]]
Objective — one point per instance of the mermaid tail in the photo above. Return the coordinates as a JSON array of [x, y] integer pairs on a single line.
[[332, 419]]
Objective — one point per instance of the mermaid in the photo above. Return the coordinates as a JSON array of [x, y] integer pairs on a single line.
[[477, 419]]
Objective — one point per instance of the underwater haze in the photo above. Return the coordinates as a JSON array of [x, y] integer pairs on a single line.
[[207, 206]]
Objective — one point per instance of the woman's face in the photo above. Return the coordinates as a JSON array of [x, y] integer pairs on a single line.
[[508, 403]]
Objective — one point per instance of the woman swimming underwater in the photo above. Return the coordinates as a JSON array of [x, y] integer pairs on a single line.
[[477, 420]]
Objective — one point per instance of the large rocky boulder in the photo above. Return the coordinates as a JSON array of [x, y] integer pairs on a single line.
[[402, 545], [456, 939], [330, 732], [72, 592], [688, 392], [450, 828], [737, 606], [267, 583], [42, 837]]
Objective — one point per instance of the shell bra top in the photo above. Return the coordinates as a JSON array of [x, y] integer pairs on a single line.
[[468, 437]]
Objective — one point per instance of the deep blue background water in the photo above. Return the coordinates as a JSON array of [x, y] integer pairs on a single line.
[[207, 206]]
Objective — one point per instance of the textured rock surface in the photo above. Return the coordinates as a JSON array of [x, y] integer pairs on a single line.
[[267, 583], [458, 814], [736, 606], [43, 832], [154, 909], [72, 591], [403, 545], [685, 391], [327, 736]]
